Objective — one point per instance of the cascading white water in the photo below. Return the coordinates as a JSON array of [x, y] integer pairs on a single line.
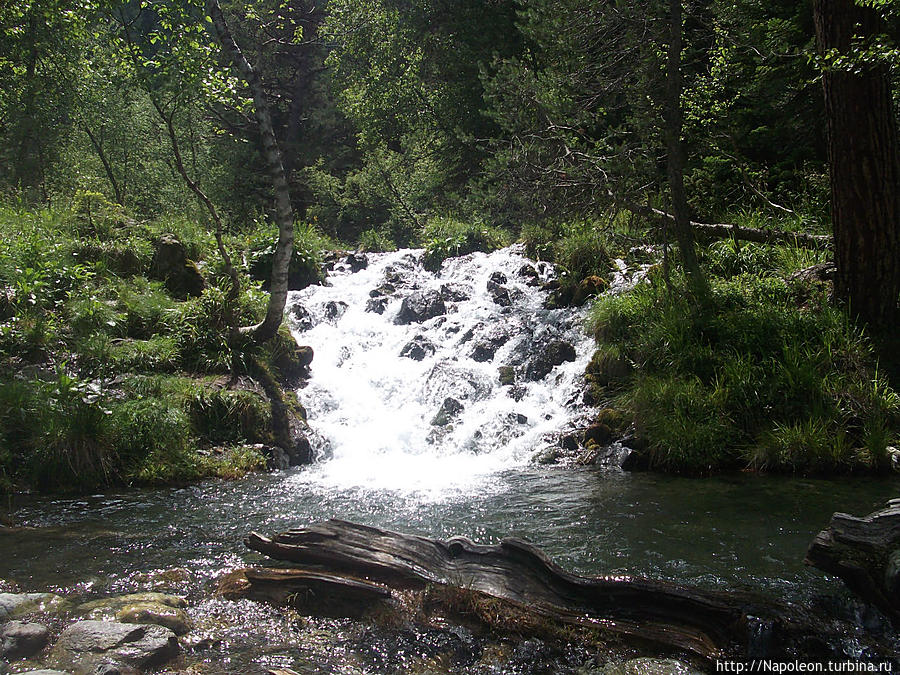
[[421, 406]]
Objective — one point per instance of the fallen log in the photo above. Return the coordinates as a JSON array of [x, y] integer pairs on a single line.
[[710, 624], [865, 554], [729, 231]]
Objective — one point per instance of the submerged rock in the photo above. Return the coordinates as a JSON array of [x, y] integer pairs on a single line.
[[88, 645], [454, 293], [19, 640], [420, 306], [647, 666]]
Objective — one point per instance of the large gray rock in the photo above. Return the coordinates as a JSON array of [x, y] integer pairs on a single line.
[[420, 306], [19, 640], [14, 605], [44, 671], [87, 645]]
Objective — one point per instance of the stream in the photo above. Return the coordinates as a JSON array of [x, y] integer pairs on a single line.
[[431, 396]]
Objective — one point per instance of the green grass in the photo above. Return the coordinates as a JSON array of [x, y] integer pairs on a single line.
[[766, 374]]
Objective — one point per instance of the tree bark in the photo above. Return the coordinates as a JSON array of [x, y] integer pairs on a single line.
[[284, 213], [864, 165], [865, 554], [676, 159]]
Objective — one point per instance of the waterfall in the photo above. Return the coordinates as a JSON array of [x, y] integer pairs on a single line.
[[436, 382]]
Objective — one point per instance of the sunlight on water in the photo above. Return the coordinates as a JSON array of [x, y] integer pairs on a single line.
[[442, 423]]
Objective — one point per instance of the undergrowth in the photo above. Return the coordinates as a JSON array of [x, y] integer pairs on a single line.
[[106, 378], [766, 374]]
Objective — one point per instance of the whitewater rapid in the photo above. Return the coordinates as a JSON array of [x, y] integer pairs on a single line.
[[451, 420]]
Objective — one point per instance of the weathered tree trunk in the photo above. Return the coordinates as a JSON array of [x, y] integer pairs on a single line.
[[708, 623], [676, 159], [865, 166], [284, 213], [865, 553]]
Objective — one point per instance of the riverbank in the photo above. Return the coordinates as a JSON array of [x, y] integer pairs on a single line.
[[116, 359]]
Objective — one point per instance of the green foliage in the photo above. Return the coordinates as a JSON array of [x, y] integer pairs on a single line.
[[445, 237], [306, 258], [752, 377], [225, 416], [375, 240]]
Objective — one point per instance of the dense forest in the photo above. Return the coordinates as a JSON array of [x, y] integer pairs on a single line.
[[527, 336], [172, 168]]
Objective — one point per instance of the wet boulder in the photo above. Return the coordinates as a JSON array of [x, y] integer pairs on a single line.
[[499, 294], [486, 346], [20, 640], [418, 348], [449, 409], [543, 361], [529, 273], [507, 375], [88, 645], [382, 291], [171, 265], [334, 309], [356, 261], [420, 306], [160, 609], [498, 278], [301, 319], [454, 293], [377, 305]]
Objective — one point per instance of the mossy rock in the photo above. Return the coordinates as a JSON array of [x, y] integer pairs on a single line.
[[171, 265], [612, 418], [607, 366], [507, 375], [14, 605], [587, 288]]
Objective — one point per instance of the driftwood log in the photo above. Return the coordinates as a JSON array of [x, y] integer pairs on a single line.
[[865, 553], [707, 623]]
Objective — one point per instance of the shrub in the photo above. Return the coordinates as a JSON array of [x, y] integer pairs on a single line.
[[375, 240], [445, 238]]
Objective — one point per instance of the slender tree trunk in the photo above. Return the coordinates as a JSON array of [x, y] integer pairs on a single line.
[[284, 214], [676, 156], [110, 174], [864, 162]]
